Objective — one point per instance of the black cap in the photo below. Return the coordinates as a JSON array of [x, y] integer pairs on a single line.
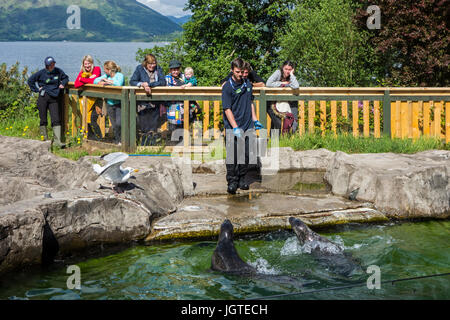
[[49, 60], [174, 64]]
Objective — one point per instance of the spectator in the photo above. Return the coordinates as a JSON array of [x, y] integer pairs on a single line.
[[175, 111], [283, 77], [113, 77], [148, 75], [49, 83], [189, 79], [87, 75], [249, 74]]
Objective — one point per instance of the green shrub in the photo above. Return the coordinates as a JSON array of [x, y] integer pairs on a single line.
[[16, 99]]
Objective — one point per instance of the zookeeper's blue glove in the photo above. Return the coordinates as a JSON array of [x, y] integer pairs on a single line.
[[258, 125], [237, 132]]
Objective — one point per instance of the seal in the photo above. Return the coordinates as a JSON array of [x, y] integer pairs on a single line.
[[326, 252], [225, 258]]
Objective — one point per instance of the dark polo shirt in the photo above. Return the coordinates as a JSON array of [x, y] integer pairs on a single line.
[[238, 97]]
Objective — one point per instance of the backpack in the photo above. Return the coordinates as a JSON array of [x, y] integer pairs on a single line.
[[287, 119]]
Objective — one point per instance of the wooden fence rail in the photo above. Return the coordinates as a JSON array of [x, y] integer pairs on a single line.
[[396, 112]]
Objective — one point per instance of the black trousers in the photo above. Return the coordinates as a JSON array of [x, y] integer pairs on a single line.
[[94, 131], [149, 119], [45, 103], [236, 168], [114, 113]]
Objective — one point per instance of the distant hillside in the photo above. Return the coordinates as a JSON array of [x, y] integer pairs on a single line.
[[181, 20], [101, 20]]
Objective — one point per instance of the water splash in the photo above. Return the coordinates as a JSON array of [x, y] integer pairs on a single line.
[[262, 266]]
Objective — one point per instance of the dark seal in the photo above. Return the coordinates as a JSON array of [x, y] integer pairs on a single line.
[[326, 252], [225, 257]]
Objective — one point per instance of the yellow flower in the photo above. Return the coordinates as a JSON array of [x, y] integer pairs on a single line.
[[26, 127], [23, 134], [10, 127], [42, 138], [7, 128]]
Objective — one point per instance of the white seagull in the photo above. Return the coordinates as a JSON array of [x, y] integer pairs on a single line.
[[113, 170]]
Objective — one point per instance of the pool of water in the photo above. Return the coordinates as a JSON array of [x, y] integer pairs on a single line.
[[181, 270]]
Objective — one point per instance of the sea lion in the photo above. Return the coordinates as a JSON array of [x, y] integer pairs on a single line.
[[326, 252], [225, 258]]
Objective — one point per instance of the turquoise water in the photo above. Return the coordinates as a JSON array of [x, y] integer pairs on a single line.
[[181, 270]]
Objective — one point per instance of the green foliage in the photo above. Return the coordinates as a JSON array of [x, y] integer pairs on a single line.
[[221, 30], [326, 45], [16, 98], [412, 46]]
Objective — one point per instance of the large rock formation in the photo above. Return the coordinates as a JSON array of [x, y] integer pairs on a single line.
[[399, 185], [74, 213]]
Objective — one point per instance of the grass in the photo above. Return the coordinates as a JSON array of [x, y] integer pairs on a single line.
[[28, 128], [350, 144]]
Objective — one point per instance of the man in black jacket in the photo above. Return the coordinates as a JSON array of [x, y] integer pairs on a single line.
[[247, 73], [48, 83]]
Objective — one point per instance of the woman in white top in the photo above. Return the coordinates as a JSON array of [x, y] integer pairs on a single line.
[[284, 77]]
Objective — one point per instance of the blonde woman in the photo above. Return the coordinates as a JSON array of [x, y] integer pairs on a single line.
[[113, 77], [148, 75], [88, 73]]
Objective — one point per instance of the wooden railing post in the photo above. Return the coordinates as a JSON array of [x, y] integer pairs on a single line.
[[387, 113], [132, 120], [263, 109], [125, 120]]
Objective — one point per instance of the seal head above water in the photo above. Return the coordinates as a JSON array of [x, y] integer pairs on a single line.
[[225, 258]]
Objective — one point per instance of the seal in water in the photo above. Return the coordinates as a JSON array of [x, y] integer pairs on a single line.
[[225, 257], [323, 250]]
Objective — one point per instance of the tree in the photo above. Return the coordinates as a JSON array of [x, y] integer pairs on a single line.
[[322, 38], [413, 42], [221, 30]]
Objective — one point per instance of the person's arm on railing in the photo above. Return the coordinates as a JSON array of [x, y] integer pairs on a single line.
[[99, 79], [274, 80]]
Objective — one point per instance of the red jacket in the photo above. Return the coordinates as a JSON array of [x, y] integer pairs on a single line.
[[82, 81]]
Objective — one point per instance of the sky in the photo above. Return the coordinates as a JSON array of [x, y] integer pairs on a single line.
[[167, 7]]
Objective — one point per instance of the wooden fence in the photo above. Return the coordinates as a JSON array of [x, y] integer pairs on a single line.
[[396, 112]]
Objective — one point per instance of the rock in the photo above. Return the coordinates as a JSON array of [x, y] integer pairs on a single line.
[[399, 185], [38, 170], [50, 205], [290, 160], [214, 167], [201, 217], [21, 235]]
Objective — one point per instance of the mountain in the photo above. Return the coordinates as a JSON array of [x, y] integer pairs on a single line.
[[101, 20], [181, 20]]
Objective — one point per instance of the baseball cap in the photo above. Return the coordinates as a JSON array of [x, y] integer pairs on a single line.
[[174, 64], [49, 60]]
